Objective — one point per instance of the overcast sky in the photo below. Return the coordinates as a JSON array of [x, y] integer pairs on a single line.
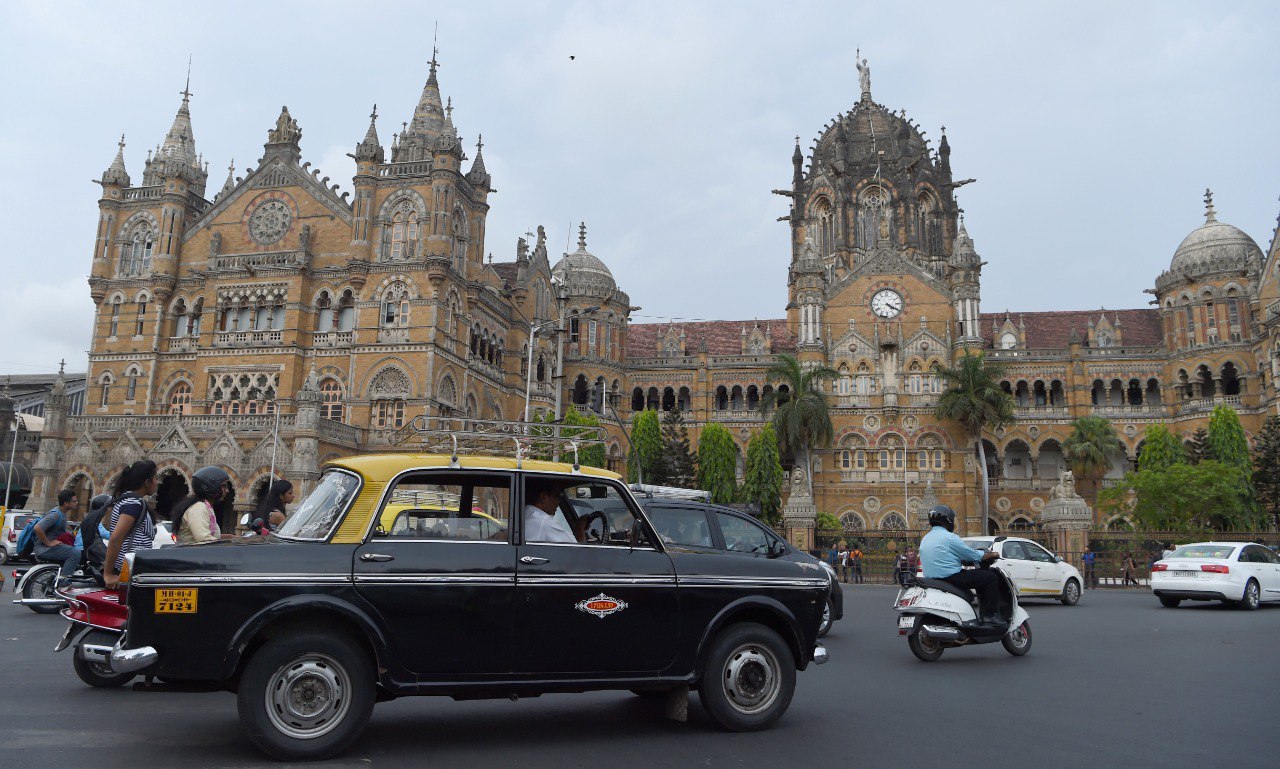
[[1092, 128]]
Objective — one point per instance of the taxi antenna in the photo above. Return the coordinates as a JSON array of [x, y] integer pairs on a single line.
[[453, 460], [576, 466]]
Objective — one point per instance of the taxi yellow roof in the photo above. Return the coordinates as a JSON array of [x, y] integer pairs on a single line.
[[383, 467]]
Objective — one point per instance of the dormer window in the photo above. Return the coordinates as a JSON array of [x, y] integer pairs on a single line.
[[1008, 341], [1104, 339]]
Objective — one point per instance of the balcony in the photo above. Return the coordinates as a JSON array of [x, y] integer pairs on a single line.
[[269, 259], [333, 339], [248, 339], [1193, 405], [1027, 484], [1129, 410], [158, 424], [1044, 412], [184, 344], [736, 415], [890, 476], [853, 401], [337, 432]]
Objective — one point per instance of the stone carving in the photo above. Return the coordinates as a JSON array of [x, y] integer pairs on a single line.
[[269, 222], [872, 422], [1037, 504], [1066, 488], [871, 504], [1003, 504], [797, 483], [910, 422], [304, 238], [286, 130], [390, 382], [215, 244], [864, 76]]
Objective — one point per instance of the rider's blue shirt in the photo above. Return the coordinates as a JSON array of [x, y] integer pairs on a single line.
[[941, 552]]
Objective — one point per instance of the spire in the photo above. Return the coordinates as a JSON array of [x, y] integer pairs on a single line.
[[582, 236], [180, 141], [116, 173], [479, 175], [944, 152], [428, 116], [371, 147], [230, 183], [1209, 214]]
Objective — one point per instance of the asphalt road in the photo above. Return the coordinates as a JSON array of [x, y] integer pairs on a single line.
[[1115, 681]]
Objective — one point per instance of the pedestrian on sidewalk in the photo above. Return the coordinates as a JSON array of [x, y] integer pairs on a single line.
[[856, 559], [843, 557], [1128, 566], [911, 562], [899, 566], [1090, 569]]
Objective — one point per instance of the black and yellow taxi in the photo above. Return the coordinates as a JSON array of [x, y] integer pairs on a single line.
[[471, 577]]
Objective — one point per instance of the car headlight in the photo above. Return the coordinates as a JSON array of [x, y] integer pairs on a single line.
[[830, 569]]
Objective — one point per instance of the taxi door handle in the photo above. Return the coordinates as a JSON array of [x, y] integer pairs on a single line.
[[533, 559], [376, 557]]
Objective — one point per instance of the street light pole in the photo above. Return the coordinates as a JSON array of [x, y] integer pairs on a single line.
[[528, 378]]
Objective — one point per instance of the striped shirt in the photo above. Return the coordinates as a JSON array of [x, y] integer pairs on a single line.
[[143, 533]]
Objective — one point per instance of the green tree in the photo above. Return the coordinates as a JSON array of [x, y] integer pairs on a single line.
[[591, 455], [1088, 451], [763, 474], [679, 466], [645, 458], [974, 399], [717, 463], [826, 521], [1266, 469], [1227, 444], [1198, 446], [1161, 449], [800, 414], [1181, 497]]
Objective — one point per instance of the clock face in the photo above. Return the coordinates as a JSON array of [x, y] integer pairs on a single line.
[[886, 303]]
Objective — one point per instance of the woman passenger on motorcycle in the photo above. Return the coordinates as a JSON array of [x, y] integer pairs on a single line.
[[131, 526], [194, 520], [92, 535], [271, 512]]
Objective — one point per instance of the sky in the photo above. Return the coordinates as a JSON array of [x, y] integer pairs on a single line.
[[1093, 129]]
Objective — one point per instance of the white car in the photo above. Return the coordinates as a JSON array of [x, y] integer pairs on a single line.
[[1035, 572], [1237, 573]]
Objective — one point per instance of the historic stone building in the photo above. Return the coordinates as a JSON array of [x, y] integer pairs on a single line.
[[351, 314]]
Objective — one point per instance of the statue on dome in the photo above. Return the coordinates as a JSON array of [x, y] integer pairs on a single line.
[[864, 74]]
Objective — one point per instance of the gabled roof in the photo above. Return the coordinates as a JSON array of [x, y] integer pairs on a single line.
[[1052, 330], [508, 271], [722, 337]]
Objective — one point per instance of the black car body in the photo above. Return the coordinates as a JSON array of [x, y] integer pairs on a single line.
[[423, 613]]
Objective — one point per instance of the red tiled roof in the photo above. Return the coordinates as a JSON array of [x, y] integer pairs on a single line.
[[723, 337], [1052, 330], [508, 271]]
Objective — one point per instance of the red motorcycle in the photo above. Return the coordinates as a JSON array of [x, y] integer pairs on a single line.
[[97, 619]]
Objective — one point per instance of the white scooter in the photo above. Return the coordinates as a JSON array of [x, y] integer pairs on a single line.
[[935, 615]]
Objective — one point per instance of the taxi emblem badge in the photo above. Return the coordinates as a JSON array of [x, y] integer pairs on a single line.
[[601, 606]]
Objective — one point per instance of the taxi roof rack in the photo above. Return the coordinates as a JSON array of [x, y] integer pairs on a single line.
[[497, 437]]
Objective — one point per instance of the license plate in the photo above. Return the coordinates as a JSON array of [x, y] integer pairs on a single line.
[[176, 601], [1183, 573], [905, 622]]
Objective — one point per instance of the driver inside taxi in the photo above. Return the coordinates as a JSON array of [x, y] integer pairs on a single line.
[[540, 522]]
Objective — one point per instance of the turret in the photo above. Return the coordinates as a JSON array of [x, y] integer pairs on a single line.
[[966, 275], [368, 156]]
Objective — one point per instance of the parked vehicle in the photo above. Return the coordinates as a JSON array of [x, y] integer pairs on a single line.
[[1035, 572], [703, 526], [14, 522], [36, 584], [1237, 573], [312, 625], [935, 615]]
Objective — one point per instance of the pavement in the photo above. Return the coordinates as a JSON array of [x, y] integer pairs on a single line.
[[1115, 681]]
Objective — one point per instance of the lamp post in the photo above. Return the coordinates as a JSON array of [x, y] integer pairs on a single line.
[[13, 454]]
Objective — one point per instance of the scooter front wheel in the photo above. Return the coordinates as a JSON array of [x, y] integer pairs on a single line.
[[1018, 641], [926, 649]]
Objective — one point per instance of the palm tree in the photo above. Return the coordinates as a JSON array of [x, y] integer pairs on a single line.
[[1089, 448], [974, 399], [801, 417]]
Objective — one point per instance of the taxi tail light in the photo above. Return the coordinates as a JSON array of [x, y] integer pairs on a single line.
[[1160, 567], [1216, 568]]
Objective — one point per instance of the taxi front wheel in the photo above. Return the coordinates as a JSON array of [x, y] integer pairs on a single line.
[[306, 696], [749, 678]]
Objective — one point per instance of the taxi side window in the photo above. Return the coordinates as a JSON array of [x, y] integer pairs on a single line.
[[742, 536], [594, 511], [1037, 553], [456, 507], [1014, 551], [682, 526]]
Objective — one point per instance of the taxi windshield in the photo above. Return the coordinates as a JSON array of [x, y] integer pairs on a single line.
[[320, 511]]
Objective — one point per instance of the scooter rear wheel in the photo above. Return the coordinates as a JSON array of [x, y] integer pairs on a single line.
[[40, 585], [925, 649], [1018, 641]]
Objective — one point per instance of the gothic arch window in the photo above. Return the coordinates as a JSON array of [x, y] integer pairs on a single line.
[[404, 232], [460, 238], [104, 382], [388, 391], [542, 368], [873, 217], [346, 311], [852, 522], [324, 313], [893, 521], [928, 224], [580, 391], [135, 258], [179, 313], [331, 405], [637, 399], [447, 393], [826, 224], [193, 317], [1008, 341], [395, 306], [115, 316], [141, 319], [180, 399], [131, 375]]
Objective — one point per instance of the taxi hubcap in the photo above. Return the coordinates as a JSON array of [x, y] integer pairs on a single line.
[[308, 696], [751, 678]]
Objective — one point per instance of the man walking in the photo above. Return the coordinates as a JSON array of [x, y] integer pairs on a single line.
[[1090, 575], [856, 558], [843, 556], [53, 525]]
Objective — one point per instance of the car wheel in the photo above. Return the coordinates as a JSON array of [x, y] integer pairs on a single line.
[[4, 556], [926, 649], [748, 679], [1070, 593], [1018, 641], [306, 696], [97, 674], [40, 585], [1252, 596], [827, 621], [1170, 603]]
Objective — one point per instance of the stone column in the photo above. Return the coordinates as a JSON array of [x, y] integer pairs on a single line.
[[799, 514], [1066, 517]]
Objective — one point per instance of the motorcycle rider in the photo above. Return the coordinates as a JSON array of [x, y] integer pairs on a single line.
[[941, 554], [194, 520], [92, 534]]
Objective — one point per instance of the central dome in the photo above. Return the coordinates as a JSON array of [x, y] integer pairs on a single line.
[[582, 272], [1215, 246]]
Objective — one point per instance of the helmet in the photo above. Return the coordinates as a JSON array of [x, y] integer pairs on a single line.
[[99, 502], [206, 483], [941, 515]]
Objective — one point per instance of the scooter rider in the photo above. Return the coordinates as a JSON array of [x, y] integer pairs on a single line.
[[941, 555]]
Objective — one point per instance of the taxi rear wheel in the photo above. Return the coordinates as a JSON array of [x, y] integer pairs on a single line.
[[306, 696], [748, 679]]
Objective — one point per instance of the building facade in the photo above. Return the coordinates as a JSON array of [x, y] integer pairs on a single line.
[[279, 307]]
